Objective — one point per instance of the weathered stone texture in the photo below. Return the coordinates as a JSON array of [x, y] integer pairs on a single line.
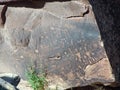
[[63, 46], [98, 71]]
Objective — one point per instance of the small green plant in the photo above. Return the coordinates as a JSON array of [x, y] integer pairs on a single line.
[[37, 82]]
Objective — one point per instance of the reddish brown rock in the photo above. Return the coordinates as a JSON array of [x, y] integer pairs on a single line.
[[65, 43]]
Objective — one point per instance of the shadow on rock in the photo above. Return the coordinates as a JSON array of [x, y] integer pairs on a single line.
[[30, 3]]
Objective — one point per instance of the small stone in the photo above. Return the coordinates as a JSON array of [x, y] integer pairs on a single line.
[[21, 57], [36, 51]]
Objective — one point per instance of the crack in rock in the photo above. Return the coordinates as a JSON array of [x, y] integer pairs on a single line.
[[82, 14]]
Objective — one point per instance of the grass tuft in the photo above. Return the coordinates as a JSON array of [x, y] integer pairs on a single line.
[[36, 81]]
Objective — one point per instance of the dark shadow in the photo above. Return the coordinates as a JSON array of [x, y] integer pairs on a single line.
[[12, 80], [3, 15], [95, 87], [30, 4], [107, 13]]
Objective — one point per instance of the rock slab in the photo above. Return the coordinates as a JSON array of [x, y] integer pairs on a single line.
[[64, 41]]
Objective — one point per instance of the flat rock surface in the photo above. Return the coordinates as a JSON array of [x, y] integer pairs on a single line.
[[61, 38], [24, 85]]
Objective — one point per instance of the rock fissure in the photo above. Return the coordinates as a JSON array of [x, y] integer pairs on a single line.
[[80, 15]]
